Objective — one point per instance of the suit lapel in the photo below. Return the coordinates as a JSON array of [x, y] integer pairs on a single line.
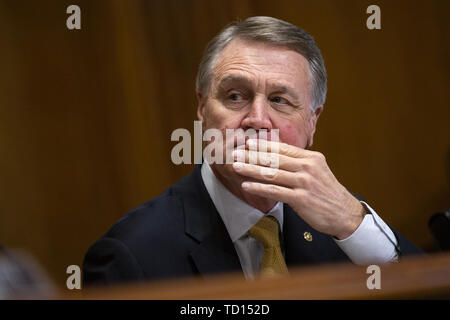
[[214, 252], [299, 251], [293, 226]]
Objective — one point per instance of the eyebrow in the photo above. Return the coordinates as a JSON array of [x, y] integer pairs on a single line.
[[234, 79], [284, 89], [247, 82]]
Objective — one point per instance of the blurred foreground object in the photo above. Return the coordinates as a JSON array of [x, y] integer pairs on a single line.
[[21, 277], [439, 225], [414, 277]]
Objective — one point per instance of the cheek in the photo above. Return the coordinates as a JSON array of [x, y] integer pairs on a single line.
[[293, 134], [221, 118]]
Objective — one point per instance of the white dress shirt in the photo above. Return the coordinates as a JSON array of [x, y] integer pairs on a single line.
[[369, 244]]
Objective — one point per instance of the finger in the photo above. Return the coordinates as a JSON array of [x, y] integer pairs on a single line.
[[270, 191], [265, 174], [277, 147], [268, 159], [235, 139]]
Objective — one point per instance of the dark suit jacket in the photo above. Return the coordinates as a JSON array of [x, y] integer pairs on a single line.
[[180, 233]]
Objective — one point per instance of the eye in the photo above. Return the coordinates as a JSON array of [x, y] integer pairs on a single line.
[[235, 99], [279, 100], [235, 96]]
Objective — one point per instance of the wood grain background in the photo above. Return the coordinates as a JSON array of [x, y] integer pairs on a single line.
[[86, 116]]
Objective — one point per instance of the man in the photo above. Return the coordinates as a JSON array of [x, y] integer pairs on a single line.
[[262, 74]]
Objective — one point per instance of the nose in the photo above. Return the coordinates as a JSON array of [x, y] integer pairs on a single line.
[[258, 116]]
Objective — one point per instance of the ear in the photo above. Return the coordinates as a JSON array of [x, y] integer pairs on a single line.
[[201, 106], [313, 123]]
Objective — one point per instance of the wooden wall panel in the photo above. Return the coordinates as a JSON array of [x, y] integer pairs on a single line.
[[86, 116]]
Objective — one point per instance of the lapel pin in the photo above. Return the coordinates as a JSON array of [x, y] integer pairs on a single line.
[[307, 236]]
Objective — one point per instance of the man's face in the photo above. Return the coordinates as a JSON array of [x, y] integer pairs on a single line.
[[260, 86]]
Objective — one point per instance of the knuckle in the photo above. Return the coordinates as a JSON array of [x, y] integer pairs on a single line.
[[319, 156], [307, 180], [269, 174], [301, 195], [306, 198], [273, 189], [305, 166], [283, 147], [304, 180]]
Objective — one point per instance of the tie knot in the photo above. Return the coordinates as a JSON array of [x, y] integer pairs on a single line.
[[266, 232]]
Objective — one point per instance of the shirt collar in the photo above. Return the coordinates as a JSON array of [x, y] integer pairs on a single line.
[[237, 215]]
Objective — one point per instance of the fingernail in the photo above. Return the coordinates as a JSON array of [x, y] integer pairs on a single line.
[[245, 185]]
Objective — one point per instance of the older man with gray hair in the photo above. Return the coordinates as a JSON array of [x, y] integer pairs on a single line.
[[266, 75]]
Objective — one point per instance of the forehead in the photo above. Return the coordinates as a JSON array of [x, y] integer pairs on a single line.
[[264, 62]]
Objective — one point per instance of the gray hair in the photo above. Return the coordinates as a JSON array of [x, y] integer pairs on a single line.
[[272, 31]]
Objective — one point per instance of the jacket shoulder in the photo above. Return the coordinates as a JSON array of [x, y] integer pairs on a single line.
[[148, 242]]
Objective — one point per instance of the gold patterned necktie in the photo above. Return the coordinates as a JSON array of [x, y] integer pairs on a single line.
[[266, 232]]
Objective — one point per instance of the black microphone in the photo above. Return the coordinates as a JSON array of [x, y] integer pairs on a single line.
[[439, 225]]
